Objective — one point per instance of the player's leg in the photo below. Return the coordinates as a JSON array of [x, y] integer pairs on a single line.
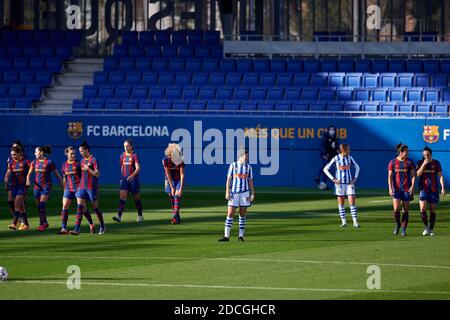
[[405, 216], [10, 200], [123, 195], [42, 211], [242, 222], [98, 212], [138, 203], [353, 210], [432, 218], [396, 203], [65, 214], [176, 203], [81, 205], [342, 213], [21, 206], [423, 215], [229, 220], [16, 215]]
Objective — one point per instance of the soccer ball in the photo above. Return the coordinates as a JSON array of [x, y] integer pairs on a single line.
[[3, 274], [322, 186]]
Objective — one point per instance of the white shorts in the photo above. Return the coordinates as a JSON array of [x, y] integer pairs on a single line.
[[342, 190], [241, 199]]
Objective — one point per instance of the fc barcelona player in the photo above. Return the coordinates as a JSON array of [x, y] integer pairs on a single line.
[[129, 181], [42, 166], [19, 145], [240, 193], [174, 178], [429, 172], [16, 176], [401, 180], [71, 173], [88, 188]]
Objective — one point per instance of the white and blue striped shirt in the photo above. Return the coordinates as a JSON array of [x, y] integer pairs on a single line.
[[240, 173], [343, 168]]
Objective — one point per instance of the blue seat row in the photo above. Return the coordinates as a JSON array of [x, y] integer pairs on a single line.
[[168, 51], [32, 91], [45, 51], [43, 78], [23, 64], [181, 37], [333, 79], [26, 37], [19, 103], [136, 105], [263, 93]]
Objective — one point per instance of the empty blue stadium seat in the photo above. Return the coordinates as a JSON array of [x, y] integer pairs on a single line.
[[126, 64], [396, 66], [224, 93], [105, 92], [109, 64], [414, 94], [302, 79], [317, 106], [353, 79], [233, 79], [327, 94], [388, 108], [440, 108], [431, 66], [166, 78], [133, 78], [23, 103], [130, 37], [414, 66], [261, 65], [173, 93], [31, 51], [47, 51], [211, 37], [90, 92], [200, 78], [100, 77], [159, 64], [15, 51], [216, 52], [257, 93], [21, 64], [150, 78], [445, 94], [405, 80], [217, 78], [363, 65], [10, 77], [130, 105], [180, 105], [344, 94], [201, 51], [183, 78], [33, 92], [179, 38], [210, 64], [79, 104], [207, 93], [195, 37], [370, 107], [146, 105], [139, 92], [156, 93], [267, 79], [274, 94], [292, 94], [248, 105], [214, 105], [423, 108], [397, 94], [117, 77], [96, 104], [328, 65], [136, 51], [336, 79], [120, 51], [193, 64], [227, 65], [445, 66], [387, 80], [284, 79], [370, 80], [380, 65], [6, 103], [311, 65], [379, 94], [163, 105], [319, 79], [405, 108], [241, 93], [353, 106], [244, 65], [277, 65], [440, 80], [294, 65], [162, 37], [197, 105], [57, 36], [190, 93], [185, 51], [122, 92], [362, 94], [282, 105], [421, 80], [153, 51], [36, 64], [26, 36], [44, 78], [300, 106], [335, 106], [346, 65], [146, 38], [250, 79], [265, 105], [430, 94], [310, 94]]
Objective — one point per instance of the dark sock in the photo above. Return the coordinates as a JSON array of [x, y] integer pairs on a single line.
[[88, 216], [16, 217], [11, 207], [24, 217], [176, 206], [138, 204], [120, 208], [432, 220], [405, 219], [64, 218], [397, 218], [99, 217], [79, 217], [42, 213], [423, 215]]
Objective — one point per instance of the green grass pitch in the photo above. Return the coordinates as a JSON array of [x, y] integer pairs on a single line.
[[294, 249]]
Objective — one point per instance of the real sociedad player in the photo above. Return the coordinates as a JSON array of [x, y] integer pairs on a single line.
[[129, 181], [43, 166], [16, 176], [401, 180], [240, 193], [344, 182], [88, 188], [430, 176], [71, 173], [174, 170]]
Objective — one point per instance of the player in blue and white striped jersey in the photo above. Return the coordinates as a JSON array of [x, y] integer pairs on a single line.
[[240, 193], [344, 182]]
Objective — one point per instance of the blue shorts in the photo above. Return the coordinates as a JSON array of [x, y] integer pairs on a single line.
[[69, 194], [430, 197], [176, 185], [18, 190], [41, 191], [403, 195], [130, 186], [88, 195]]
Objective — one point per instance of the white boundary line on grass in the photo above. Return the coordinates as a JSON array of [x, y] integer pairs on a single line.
[[198, 286], [231, 259]]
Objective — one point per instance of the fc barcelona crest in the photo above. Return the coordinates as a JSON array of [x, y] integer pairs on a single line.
[[431, 134], [75, 129]]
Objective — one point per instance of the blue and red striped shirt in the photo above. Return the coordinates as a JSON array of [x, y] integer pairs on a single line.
[[174, 170], [88, 181], [428, 181], [401, 174], [72, 172], [128, 163], [19, 170], [43, 170]]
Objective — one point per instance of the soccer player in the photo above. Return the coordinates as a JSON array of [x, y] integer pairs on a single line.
[[11, 205], [329, 145], [43, 167], [240, 193], [16, 176], [129, 181], [71, 172], [401, 180], [174, 178], [344, 182], [429, 172], [88, 188]]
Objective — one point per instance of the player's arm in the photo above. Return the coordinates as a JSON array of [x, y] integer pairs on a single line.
[[180, 192], [7, 174], [227, 188], [391, 187], [137, 169], [30, 171], [422, 167], [326, 170], [413, 181], [357, 169], [441, 181], [169, 180], [252, 189], [95, 172]]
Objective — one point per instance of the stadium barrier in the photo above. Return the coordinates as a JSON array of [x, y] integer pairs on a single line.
[[372, 142]]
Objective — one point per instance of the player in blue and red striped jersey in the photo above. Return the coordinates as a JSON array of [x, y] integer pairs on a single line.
[[88, 188], [174, 178], [10, 200], [16, 176], [71, 173], [401, 180], [43, 167], [429, 172], [129, 181]]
